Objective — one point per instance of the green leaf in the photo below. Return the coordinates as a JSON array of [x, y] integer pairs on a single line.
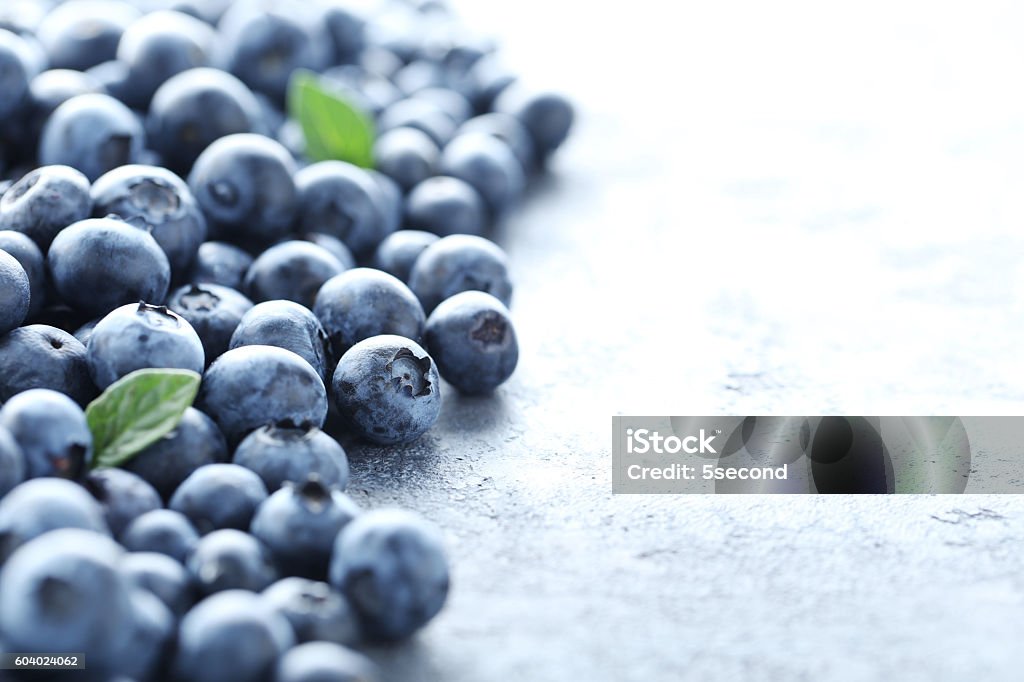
[[138, 410], [335, 128]]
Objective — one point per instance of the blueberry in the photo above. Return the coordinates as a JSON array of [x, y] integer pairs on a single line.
[[229, 559], [291, 270], [387, 389], [365, 302], [112, 77], [392, 567], [220, 263], [217, 496], [298, 524], [406, 155], [193, 109], [346, 30], [100, 264], [194, 442], [316, 611], [12, 462], [334, 246], [15, 293], [79, 35], [164, 531], [124, 496], [420, 114], [146, 640], [288, 325], [547, 116], [44, 202], [50, 89], [509, 130], [160, 45], [419, 75], [264, 45], [39, 356], [42, 505], [93, 133], [32, 262], [139, 335], [397, 254], [344, 201], [489, 78], [232, 635], [15, 73], [287, 452], [450, 101], [473, 341], [244, 185], [489, 166], [158, 201], [364, 88], [214, 311], [62, 592], [51, 430], [460, 263], [445, 206], [324, 662], [391, 199], [163, 577]]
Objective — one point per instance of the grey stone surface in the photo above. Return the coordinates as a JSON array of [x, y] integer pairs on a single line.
[[782, 208]]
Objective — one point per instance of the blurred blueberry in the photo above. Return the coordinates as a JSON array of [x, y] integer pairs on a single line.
[[316, 611], [79, 35], [547, 116], [365, 302], [112, 78], [12, 462], [214, 312], [253, 386], [288, 452], [194, 442], [123, 495], [220, 263], [160, 45], [346, 29], [421, 114], [217, 496], [233, 635], [406, 155], [40, 356], [288, 325], [137, 336], [164, 531], [320, 661], [298, 524], [399, 251], [28, 255], [489, 166], [158, 201], [49, 90], [334, 246], [449, 101], [15, 73], [44, 202], [344, 201], [445, 206], [292, 271], [509, 130], [244, 185], [392, 567], [387, 390], [93, 133], [193, 109], [161, 576], [392, 200], [51, 431], [42, 505], [365, 89], [460, 263], [230, 559]]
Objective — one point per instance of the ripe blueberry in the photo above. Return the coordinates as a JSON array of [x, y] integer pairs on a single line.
[[229, 559], [220, 263], [286, 452], [292, 271], [317, 612], [15, 293], [164, 531], [217, 496], [445, 205], [51, 430], [93, 133], [44, 202], [460, 263], [214, 312], [399, 251]]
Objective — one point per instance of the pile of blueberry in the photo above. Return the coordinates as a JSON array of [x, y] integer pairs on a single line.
[[159, 208]]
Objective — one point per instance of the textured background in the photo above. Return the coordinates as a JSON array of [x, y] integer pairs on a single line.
[[800, 208]]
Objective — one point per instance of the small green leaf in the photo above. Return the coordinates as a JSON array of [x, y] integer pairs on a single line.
[[334, 128], [136, 411]]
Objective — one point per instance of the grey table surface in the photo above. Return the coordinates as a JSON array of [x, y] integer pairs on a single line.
[[767, 208]]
